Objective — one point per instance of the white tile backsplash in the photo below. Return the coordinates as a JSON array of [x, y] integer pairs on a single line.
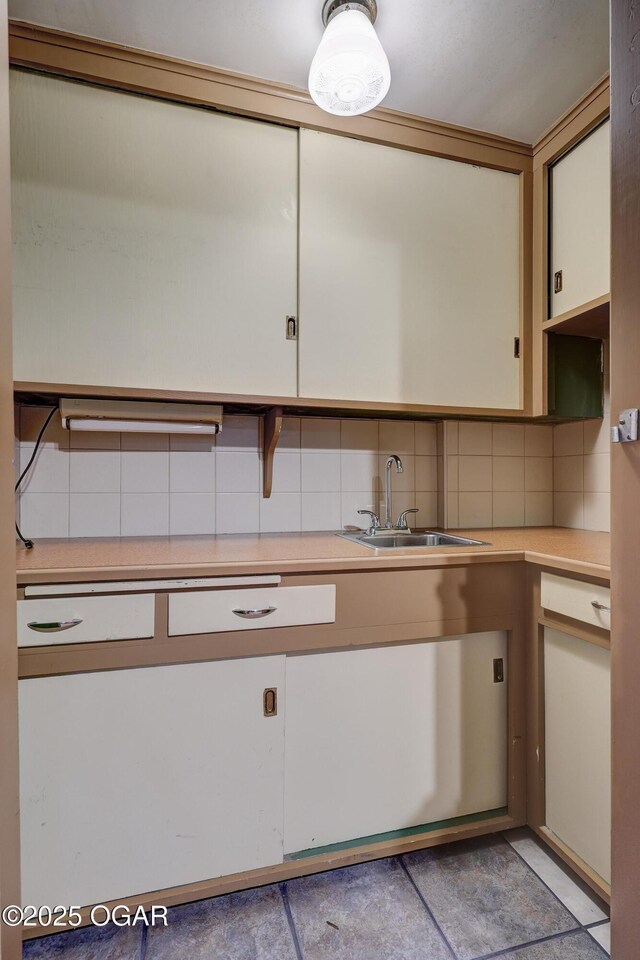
[[581, 469], [94, 515], [192, 471], [94, 471], [321, 511], [144, 471], [44, 514], [192, 514], [237, 512], [498, 475], [325, 469], [237, 472], [144, 515]]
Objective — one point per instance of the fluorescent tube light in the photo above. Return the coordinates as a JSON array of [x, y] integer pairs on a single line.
[[141, 426], [140, 416]]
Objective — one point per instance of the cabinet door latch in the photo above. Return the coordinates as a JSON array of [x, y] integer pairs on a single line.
[[516, 347], [292, 328], [626, 430], [557, 281], [498, 670], [270, 702]]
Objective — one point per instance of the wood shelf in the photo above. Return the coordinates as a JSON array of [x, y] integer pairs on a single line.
[[588, 320]]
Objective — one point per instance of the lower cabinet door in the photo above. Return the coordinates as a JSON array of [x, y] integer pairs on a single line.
[[136, 780], [384, 739], [577, 724]]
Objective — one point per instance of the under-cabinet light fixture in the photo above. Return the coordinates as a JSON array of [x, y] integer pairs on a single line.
[[131, 416], [350, 72]]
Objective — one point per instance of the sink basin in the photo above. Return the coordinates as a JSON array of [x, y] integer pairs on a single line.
[[416, 539]]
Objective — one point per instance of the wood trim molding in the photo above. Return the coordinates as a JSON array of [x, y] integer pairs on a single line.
[[66, 54], [625, 476], [291, 405], [203, 890], [590, 109], [577, 864], [10, 948]]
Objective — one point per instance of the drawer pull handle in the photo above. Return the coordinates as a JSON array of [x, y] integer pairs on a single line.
[[600, 606], [254, 614], [53, 627]]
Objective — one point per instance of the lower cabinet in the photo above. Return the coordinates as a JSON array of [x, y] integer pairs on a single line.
[[136, 780], [388, 738], [577, 725], [142, 779]]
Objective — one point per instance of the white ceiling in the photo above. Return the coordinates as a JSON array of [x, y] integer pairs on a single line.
[[510, 67]]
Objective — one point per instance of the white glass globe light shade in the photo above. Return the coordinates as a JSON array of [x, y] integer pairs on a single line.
[[350, 72]]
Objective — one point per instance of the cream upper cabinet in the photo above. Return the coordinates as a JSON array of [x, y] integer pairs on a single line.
[[137, 780], [409, 277], [396, 737], [577, 723], [155, 243], [581, 223]]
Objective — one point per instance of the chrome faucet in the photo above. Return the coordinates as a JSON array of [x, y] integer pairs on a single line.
[[392, 460], [375, 526]]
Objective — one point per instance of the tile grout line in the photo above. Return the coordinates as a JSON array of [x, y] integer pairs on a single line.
[[143, 942], [533, 943], [292, 927], [427, 908], [547, 887]]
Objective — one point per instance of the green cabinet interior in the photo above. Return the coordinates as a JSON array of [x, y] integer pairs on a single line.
[[575, 377]]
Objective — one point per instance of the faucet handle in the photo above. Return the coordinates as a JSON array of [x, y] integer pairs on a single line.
[[375, 521], [402, 519]]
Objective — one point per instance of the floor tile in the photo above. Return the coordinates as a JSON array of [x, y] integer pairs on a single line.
[[251, 925], [89, 943], [576, 946], [578, 899], [602, 935], [367, 912], [484, 897]]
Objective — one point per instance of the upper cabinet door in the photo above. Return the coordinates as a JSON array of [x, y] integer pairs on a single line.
[[581, 223], [409, 277], [155, 243]]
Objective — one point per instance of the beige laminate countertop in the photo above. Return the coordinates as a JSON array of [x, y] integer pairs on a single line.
[[51, 561]]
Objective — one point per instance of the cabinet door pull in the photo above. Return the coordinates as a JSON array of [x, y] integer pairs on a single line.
[[254, 614], [54, 627], [270, 702], [600, 606]]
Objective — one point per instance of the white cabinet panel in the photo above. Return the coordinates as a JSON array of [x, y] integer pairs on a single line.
[[581, 222], [409, 276], [136, 780], [214, 611], [578, 747], [93, 618], [155, 244], [381, 739], [578, 599]]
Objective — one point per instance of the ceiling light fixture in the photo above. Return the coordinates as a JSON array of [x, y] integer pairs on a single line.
[[350, 72]]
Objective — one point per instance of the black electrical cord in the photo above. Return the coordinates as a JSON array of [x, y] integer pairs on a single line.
[[29, 543]]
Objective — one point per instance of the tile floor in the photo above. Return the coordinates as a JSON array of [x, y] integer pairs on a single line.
[[490, 897]]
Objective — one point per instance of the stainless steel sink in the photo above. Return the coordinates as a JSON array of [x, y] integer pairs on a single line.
[[417, 539]]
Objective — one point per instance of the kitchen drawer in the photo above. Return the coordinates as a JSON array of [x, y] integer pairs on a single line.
[[221, 611], [99, 618], [589, 602]]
